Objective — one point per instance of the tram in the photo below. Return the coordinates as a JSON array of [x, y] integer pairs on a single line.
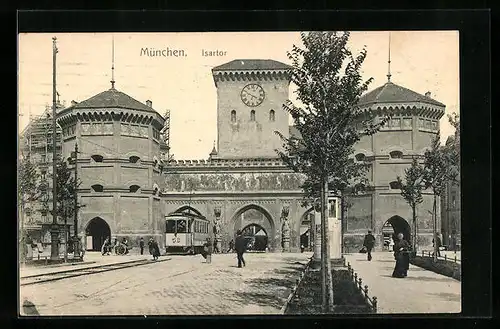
[[186, 232]]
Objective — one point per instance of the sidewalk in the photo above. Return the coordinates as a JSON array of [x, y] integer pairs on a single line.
[[422, 291], [90, 259]]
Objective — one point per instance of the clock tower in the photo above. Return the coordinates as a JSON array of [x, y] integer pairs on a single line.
[[250, 95]]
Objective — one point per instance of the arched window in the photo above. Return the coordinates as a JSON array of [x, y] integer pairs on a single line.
[[395, 185], [233, 116], [360, 157], [252, 115], [271, 115], [134, 188], [396, 154], [97, 188], [97, 158], [133, 159]]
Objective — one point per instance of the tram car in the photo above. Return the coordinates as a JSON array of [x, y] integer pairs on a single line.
[[186, 232]]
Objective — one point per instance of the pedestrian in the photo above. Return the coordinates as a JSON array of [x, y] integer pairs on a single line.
[[368, 243], [154, 250], [401, 254], [106, 247], [208, 250], [231, 246], [439, 244], [216, 248], [240, 245], [141, 245], [302, 248], [125, 243], [391, 244]]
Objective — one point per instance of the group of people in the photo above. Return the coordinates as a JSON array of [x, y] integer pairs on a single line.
[[239, 245], [401, 249], [108, 247]]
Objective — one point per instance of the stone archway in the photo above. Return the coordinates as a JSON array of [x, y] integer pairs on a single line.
[[189, 209], [257, 237], [97, 230], [256, 216], [306, 229], [393, 226]]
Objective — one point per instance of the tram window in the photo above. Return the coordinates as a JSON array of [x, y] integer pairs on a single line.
[[181, 226], [170, 226]]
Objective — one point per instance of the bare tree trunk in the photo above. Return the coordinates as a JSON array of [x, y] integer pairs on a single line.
[[436, 248], [324, 287], [326, 237], [414, 211]]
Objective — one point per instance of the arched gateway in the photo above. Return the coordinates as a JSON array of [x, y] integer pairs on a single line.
[[395, 225], [257, 226], [97, 231]]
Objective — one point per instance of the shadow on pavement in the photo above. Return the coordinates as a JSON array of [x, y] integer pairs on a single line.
[[260, 299], [271, 282], [447, 296], [428, 279]]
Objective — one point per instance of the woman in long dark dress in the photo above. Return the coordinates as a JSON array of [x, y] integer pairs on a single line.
[[401, 253]]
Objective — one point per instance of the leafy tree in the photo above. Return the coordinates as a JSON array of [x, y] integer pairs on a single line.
[[329, 85], [27, 190], [411, 191], [440, 167]]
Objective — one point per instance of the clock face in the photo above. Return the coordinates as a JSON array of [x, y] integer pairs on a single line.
[[252, 95]]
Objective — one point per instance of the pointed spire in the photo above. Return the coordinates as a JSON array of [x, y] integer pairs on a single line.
[[113, 62], [389, 61]]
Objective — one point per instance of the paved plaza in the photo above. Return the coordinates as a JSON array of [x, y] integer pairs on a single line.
[[183, 285], [422, 291]]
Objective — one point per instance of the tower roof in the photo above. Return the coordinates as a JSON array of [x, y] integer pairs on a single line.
[[252, 64], [113, 98], [393, 93]]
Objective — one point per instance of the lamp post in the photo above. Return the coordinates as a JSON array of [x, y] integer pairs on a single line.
[[54, 232]]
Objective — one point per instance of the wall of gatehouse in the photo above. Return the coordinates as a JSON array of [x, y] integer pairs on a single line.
[[240, 210]]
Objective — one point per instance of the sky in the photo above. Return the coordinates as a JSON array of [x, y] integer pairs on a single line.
[[420, 60]]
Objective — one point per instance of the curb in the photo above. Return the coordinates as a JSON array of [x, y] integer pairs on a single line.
[[296, 286]]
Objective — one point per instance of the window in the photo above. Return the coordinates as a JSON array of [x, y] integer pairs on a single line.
[[156, 134], [133, 159], [271, 115], [333, 209], [434, 125], [252, 115], [44, 158], [396, 154], [395, 185], [421, 123], [233, 116], [360, 157], [97, 188], [407, 123], [427, 124], [156, 191], [97, 158], [170, 227], [453, 200], [396, 123], [134, 188], [181, 226]]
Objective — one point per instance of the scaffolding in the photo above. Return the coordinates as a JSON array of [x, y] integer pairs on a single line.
[[165, 137], [36, 143]]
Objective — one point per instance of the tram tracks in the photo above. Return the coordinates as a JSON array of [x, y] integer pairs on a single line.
[[61, 275]]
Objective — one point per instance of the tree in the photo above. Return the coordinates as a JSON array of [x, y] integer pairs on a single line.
[[27, 190], [411, 191], [440, 167], [329, 86]]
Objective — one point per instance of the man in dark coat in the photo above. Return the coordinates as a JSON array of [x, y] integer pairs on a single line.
[[368, 243], [141, 245], [240, 245], [154, 249], [231, 246]]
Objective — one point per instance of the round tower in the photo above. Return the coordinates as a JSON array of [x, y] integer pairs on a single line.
[[119, 147], [414, 122]]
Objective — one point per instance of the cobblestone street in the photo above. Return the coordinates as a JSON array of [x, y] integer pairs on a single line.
[[183, 285], [422, 291]]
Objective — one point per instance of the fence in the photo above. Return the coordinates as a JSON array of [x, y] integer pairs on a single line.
[[358, 282], [293, 293], [445, 257]]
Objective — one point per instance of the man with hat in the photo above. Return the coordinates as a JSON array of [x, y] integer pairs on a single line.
[[240, 246], [368, 243]]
